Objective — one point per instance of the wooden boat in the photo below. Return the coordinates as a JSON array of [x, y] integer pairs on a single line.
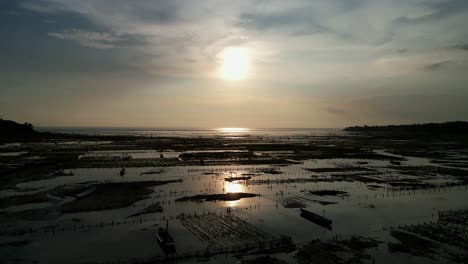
[[317, 219], [164, 238]]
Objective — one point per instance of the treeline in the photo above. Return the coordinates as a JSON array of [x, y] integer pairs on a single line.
[[456, 127]]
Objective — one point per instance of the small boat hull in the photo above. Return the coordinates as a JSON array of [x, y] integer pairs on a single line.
[[165, 241], [165, 238], [317, 219]]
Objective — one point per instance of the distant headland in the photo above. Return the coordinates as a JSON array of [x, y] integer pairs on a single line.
[[10, 128], [456, 127]]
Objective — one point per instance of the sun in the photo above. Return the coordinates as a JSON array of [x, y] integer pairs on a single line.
[[235, 63]]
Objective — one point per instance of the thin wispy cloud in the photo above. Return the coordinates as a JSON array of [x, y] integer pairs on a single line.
[[435, 66], [335, 111], [98, 40], [460, 46]]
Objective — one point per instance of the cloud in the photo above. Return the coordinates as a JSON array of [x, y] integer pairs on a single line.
[[98, 40], [435, 66], [460, 46], [301, 32], [335, 111]]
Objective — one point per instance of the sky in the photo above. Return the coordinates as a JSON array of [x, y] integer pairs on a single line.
[[158, 63]]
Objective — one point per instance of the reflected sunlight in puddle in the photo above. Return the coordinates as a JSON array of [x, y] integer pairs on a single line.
[[233, 187]]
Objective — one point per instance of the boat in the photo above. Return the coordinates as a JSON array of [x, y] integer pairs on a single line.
[[122, 172], [165, 240], [394, 162], [317, 219]]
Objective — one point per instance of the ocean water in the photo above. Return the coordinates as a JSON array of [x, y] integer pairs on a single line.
[[193, 132]]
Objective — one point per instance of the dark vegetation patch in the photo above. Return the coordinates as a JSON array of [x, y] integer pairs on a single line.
[[151, 172], [329, 193], [351, 250], [352, 175], [270, 171], [113, 195], [154, 208], [359, 244], [292, 202], [338, 153], [418, 170], [17, 243], [444, 162], [339, 169], [411, 244], [216, 197], [320, 252], [369, 179], [458, 127], [411, 184], [295, 204], [27, 172], [69, 190], [263, 260], [42, 196], [374, 186], [451, 228], [59, 173], [459, 258], [457, 165], [244, 178], [30, 215], [23, 199], [217, 155], [324, 203], [346, 149]]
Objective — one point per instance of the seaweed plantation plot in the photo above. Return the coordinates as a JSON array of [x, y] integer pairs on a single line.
[[451, 228], [225, 230], [109, 197], [352, 250]]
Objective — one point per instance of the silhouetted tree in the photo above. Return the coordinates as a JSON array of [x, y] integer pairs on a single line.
[[29, 125]]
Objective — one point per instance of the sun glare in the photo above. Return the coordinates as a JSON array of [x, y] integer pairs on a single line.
[[235, 63], [233, 130], [233, 187]]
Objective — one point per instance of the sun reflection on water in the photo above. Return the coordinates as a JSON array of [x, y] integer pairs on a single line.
[[233, 187], [233, 130]]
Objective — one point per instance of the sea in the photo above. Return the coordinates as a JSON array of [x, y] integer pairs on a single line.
[[192, 132]]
